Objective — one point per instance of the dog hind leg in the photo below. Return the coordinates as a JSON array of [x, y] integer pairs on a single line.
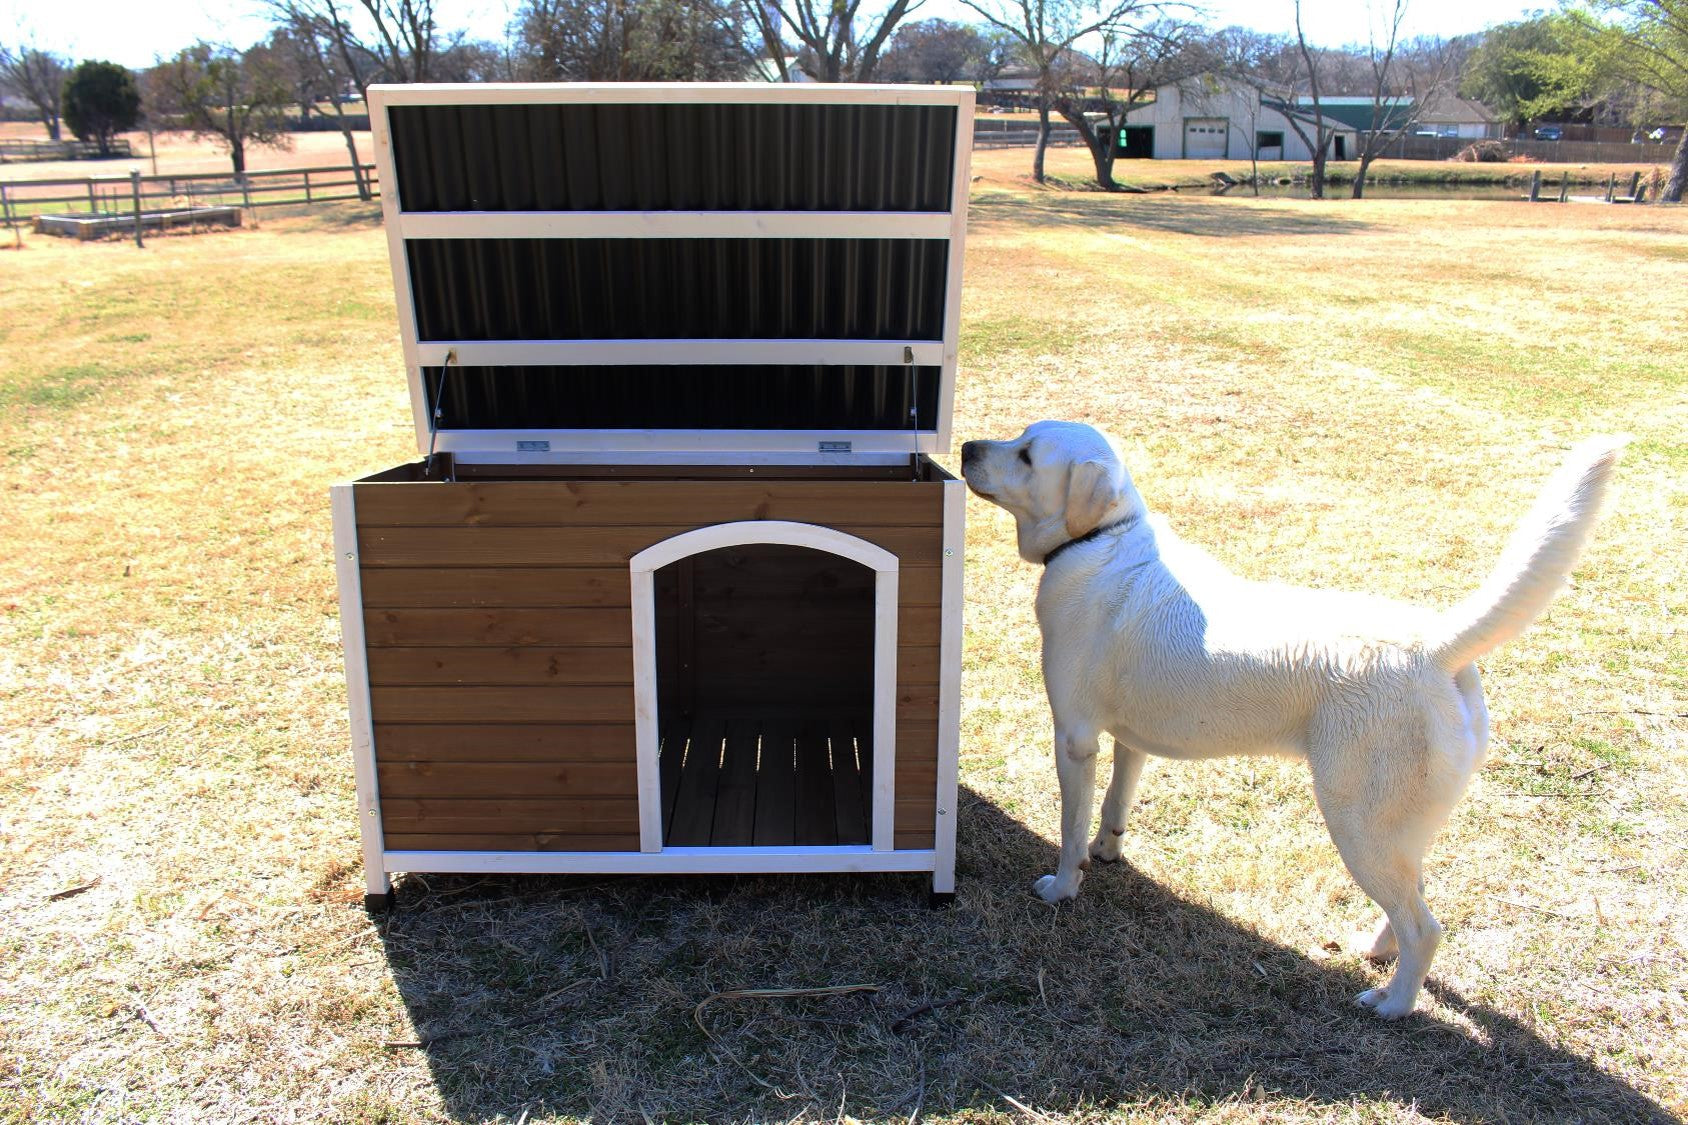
[[1382, 813], [1116, 803], [1075, 765]]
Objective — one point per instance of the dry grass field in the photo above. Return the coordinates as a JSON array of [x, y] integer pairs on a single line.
[[1349, 395]]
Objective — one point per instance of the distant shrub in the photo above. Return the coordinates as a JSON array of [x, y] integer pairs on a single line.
[[1482, 152]]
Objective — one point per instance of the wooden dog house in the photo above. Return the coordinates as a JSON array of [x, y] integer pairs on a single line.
[[675, 586]]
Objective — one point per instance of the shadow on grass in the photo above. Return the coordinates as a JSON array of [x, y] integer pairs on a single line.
[[1171, 212], [577, 995]]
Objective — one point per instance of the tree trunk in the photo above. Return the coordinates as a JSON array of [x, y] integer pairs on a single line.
[[52, 124], [357, 166], [1042, 137], [1100, 146], [1678, 172], [237, 153], [1316, 189], [1360, 176], [364, 193]]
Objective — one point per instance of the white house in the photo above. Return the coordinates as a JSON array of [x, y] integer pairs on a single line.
[[1210, 119]]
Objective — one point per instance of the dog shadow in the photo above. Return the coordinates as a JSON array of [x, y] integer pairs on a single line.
[[612, 998]]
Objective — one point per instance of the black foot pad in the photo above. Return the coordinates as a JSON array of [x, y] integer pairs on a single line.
[[941, 899], [379, 904]]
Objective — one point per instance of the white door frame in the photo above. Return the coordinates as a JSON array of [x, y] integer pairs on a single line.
[[885, 565]]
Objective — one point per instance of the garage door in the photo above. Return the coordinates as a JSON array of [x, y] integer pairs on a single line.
[[1204, 138]]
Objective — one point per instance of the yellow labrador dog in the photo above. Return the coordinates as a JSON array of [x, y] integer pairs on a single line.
[[1150, 639]]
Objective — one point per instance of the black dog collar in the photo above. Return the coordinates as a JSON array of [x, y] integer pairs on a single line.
[[1087, 537]]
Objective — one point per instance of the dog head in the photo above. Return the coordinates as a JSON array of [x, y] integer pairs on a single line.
[[1059, 480]]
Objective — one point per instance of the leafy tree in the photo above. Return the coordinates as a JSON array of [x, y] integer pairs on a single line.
[[1528, 69], [100, 101], [1644, 42], [36, 77], [238, 100]]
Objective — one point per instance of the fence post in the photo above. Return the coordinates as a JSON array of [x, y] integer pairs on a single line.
[[307, 185], [1634, 184], [91, 207], [1611, 186], [1564, 186], [135, 191], [1535, 185], [6, 212]]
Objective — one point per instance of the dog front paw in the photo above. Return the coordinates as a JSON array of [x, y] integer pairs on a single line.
[[1051, 888]]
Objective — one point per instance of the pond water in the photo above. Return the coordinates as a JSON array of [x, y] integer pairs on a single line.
[[1375, 190]]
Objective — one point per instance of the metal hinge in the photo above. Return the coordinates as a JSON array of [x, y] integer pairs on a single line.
[[533, 447], [835, 447]]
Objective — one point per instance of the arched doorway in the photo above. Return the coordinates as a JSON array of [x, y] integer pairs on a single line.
[[764, 669]]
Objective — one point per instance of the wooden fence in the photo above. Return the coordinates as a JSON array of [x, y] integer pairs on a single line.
[[1547, 152], [15, 151], [123, 195]]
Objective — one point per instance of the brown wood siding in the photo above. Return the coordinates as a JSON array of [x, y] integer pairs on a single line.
[[588, 546], [499, 645], [649, 503]]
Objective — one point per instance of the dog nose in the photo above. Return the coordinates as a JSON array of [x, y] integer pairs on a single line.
[[969, 451]]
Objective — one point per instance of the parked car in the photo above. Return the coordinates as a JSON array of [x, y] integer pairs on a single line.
[[1549, 133]]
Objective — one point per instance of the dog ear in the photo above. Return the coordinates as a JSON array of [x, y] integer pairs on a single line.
[[1090, 493]]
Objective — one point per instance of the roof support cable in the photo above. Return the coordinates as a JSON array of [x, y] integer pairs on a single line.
[[434, 419]]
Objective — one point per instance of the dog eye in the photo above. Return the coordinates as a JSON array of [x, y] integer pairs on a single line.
[[1025, 455]]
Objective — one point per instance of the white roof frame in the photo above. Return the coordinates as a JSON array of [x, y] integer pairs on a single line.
[[495, 445]]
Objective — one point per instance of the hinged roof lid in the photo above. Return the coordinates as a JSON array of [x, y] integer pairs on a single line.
[[685, 269]]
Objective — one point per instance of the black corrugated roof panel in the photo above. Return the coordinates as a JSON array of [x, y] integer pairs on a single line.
[[678, 288], [674, 157], [785, 397]]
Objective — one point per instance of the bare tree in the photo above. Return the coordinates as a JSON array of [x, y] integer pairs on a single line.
[[237, 99], [324, 47], [1046, 31], [629, 40], [1252, 61], [1307, 77], [843, 43], [1400, 93], [370, 40], [1134, 59], [37, 77], [936, 51]]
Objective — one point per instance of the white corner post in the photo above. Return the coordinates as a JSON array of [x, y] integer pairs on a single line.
[[949, 688], [643, 567], [343, 506]]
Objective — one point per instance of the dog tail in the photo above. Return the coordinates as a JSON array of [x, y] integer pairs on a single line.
[[1537, 560]]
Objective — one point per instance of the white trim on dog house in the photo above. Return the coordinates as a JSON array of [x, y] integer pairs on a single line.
[[883, 563]]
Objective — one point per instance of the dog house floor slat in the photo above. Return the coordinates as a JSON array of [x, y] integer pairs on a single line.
[[735, 800], [694, 808], [733, 780]]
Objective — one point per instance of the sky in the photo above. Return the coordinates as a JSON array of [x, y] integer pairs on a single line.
[[137, 33]]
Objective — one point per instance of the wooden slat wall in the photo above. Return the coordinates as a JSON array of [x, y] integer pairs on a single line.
[[500, 652]]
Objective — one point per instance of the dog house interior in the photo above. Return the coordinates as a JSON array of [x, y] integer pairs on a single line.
[[674, 586], [765, 697]]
